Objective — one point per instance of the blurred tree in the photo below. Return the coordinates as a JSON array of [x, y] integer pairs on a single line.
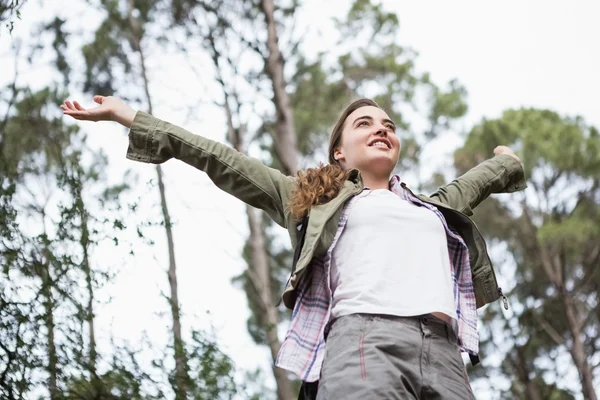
[[47, 249], [214, 22], [9, 11], [553, 236], [115, 57], [33, 270], [80, 230], [117, 44]]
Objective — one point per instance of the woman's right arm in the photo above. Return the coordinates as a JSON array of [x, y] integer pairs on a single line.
[[152, 140]]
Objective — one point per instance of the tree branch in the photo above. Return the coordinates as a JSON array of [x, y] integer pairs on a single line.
[[545, 257], [549, 329]]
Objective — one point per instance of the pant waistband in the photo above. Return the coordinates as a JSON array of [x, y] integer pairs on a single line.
[[424, 322]]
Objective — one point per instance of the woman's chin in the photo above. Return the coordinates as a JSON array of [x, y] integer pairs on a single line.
[[379, 165]]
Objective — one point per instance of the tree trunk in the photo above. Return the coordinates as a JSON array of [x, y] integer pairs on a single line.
[[48, 302], [259, 270], [87, 269], [181, 376], [259, 274], [93, 354], [285, 139], [577, 350], [554, 271], [181, 381], [523, 375]]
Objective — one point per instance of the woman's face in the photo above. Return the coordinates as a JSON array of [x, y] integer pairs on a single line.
[[369, 142]]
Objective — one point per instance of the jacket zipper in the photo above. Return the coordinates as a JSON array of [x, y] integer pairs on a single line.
[[487, 255], [504, 299]]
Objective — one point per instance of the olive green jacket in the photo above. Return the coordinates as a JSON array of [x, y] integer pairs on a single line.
[[154, 141]]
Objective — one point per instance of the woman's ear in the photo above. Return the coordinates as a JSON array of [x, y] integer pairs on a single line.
[[338, 155]]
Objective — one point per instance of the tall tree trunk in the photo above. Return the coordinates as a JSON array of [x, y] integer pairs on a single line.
[[258, 268], [87, 269], [522, 373], [577, 350], [554, 272], [48, 304], [285, 139], [181, 381], [286, 151], [181, 375], [260, 277]]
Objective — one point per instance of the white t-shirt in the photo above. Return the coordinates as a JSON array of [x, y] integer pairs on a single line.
[[391, 258]]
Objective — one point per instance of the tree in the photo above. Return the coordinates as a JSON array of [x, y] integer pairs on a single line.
[[48, 249], [553, 238], [118, 53], [214, 23], [130, 26], [9, 10], [35, 262]]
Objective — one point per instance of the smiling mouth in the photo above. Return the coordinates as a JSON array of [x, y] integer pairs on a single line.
[[380, 143]]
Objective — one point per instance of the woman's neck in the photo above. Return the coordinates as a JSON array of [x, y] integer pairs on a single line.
[[375, 182]]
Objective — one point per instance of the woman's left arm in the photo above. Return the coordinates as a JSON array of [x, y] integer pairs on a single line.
[[501, 174]]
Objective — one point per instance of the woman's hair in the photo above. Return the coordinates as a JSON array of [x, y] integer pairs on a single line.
[[320, 185]]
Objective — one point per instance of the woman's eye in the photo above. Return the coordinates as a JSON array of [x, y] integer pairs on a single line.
[[363, 123]]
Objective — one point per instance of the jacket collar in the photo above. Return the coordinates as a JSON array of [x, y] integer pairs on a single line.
[[355, 177]]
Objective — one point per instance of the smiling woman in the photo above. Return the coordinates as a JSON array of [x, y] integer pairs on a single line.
[[383, 287], [374, 155]]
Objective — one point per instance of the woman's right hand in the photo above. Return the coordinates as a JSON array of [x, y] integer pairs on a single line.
[[110, 109]]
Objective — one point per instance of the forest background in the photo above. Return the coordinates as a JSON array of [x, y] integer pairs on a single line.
[[121, 280]]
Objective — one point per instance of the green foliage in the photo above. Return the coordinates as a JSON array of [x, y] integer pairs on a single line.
[[371, 64], [53, 219], [59, 44], [542, 137], [102, 56], [9, 11], [570, 234], [552, 236], [212, 372], [364, 13], [31, 141], [115, 59], [112, 385], [447, 106], [111, 56]]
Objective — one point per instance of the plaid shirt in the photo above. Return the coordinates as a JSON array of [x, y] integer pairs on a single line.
[[303, 349]]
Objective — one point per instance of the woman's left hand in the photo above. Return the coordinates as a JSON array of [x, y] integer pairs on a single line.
[[506, 150]]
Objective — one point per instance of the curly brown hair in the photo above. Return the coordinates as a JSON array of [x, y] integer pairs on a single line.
[[320, 185]]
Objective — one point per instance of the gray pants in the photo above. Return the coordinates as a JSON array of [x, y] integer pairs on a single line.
[[386, 357]]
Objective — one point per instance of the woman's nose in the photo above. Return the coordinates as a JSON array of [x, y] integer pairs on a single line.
[[381, 130]]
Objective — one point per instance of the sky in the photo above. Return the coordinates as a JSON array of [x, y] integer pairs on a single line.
[[508, 54]]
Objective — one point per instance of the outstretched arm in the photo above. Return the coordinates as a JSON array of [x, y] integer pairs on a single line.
[[152, 140], [501, 174]]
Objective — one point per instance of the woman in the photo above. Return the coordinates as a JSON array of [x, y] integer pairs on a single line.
[[385, 283]]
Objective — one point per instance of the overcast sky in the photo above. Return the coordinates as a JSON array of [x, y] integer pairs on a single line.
[[508, 54]]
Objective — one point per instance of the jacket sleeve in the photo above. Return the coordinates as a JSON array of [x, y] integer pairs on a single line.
[[152, 140], [501, 174]]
